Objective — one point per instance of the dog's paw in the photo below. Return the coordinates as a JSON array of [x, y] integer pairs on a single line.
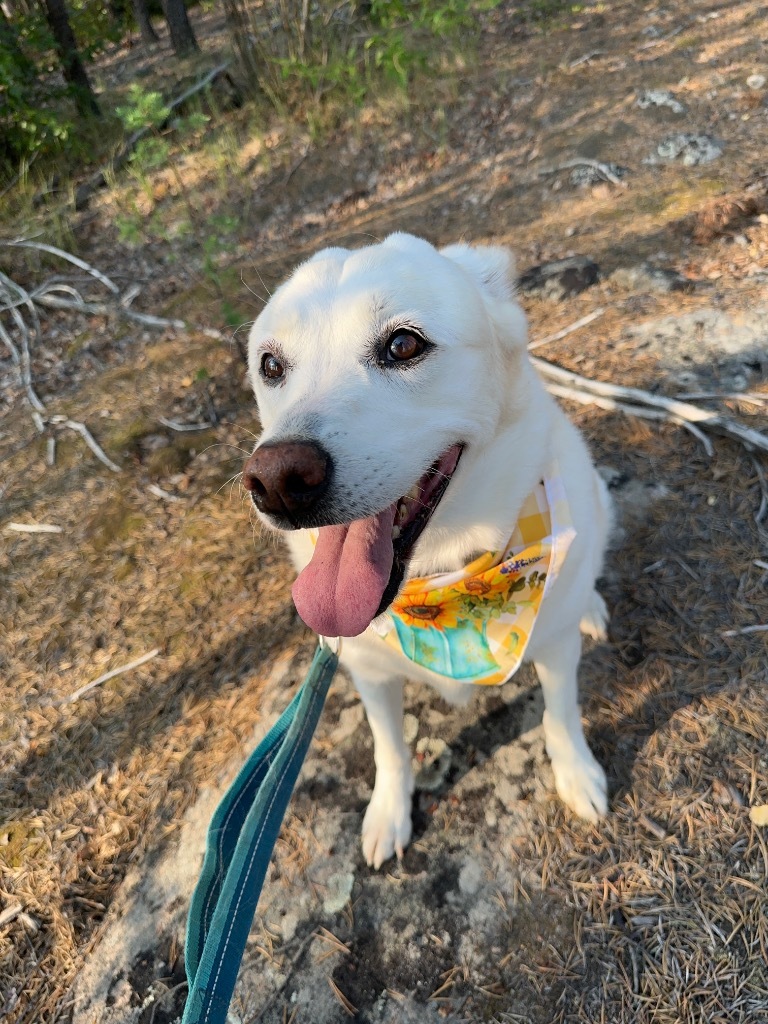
[[594, 622], [581, 784], [579, 779], [387, 822]]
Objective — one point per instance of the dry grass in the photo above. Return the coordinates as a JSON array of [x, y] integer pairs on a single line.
[[669, 894]]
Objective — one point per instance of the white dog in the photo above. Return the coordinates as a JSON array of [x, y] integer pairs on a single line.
[[403, 430]]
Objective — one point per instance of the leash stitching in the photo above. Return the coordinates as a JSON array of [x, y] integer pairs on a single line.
[[209, 906], [281, 777]]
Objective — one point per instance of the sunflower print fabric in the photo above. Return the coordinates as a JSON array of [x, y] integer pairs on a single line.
[[474, 625]]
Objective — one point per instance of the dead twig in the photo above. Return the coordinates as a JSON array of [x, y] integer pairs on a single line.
[[588, 319], [662, 39], [288, 972], [174, 425], [750, 397], [25, 359], [346, 1004], [32, 528], [746, 630], [107, 676], [586, 58], [160, 493], [611, 405], [760, 514], [602, 169], [106, 309], [25, 243], [682, 412], [10, 914], [87, 436]]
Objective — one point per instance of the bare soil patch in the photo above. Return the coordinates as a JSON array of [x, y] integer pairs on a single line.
[[657, 916]]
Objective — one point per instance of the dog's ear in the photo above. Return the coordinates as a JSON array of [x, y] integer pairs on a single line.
[[491, 268], [334, 252]]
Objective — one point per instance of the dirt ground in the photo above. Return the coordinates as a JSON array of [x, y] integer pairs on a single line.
[[506, 908]]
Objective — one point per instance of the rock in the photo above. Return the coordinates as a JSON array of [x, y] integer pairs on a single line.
[[339, 891], [653, 279], [756, 82], [690, 149], [709, 348], [433, 759], [659, 98], [470, 877], [560, 278]]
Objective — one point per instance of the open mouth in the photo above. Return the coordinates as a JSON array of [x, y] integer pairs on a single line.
[[357, 568]]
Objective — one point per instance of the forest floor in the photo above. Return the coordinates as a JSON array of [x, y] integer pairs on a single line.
[[505, 908]]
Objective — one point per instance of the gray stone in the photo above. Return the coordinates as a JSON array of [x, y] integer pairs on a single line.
[[659, 98], [709, 347], [433, 760], [688, 148], [653, 279], [339, 891], [470, 877], [560, 278]]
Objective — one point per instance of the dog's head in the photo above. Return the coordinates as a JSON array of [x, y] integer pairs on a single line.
[[378, 372]]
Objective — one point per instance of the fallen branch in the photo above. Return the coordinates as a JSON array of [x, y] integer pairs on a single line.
[[745, 630], [100, 178], [662, 39], [596, 165], [24, 360], [24, 243], [611, 405], [87, 436], [105, 309], [160, 493], [106, 677], [567, 330], [10, 914], [682, 412], [586, 58], [32, 528], [173, 425], [750, 397]]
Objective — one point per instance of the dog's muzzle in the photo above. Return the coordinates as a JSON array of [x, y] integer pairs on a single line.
[[287, 479]]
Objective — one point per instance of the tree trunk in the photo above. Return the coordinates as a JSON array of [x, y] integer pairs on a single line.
[[71, 64], [182, 37], [141, 14]]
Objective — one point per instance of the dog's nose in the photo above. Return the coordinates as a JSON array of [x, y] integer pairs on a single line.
[[287, 476]]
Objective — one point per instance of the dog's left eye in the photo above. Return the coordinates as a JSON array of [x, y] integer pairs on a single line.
[[271, 368], [402, 346]]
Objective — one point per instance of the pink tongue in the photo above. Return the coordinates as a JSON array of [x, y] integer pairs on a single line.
[[339, 592]]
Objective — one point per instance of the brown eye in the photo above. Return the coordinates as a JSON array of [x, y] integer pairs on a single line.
[[404, 346], [271, 367]]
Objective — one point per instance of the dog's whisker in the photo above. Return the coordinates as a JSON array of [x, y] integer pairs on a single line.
[[230, 480], [226, 444], [250, 433]]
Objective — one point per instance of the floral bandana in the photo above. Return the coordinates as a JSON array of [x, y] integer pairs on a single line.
[[474, 625]]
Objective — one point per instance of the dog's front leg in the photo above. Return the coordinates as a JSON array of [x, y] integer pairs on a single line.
[[387, 822], [579, 778]]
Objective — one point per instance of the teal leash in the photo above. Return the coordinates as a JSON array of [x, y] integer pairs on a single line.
[[241, 837]]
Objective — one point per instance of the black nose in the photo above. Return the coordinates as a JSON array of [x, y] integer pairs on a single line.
[[287, 476]]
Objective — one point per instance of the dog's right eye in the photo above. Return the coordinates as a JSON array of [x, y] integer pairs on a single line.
[[403, 346], [271, 367]]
